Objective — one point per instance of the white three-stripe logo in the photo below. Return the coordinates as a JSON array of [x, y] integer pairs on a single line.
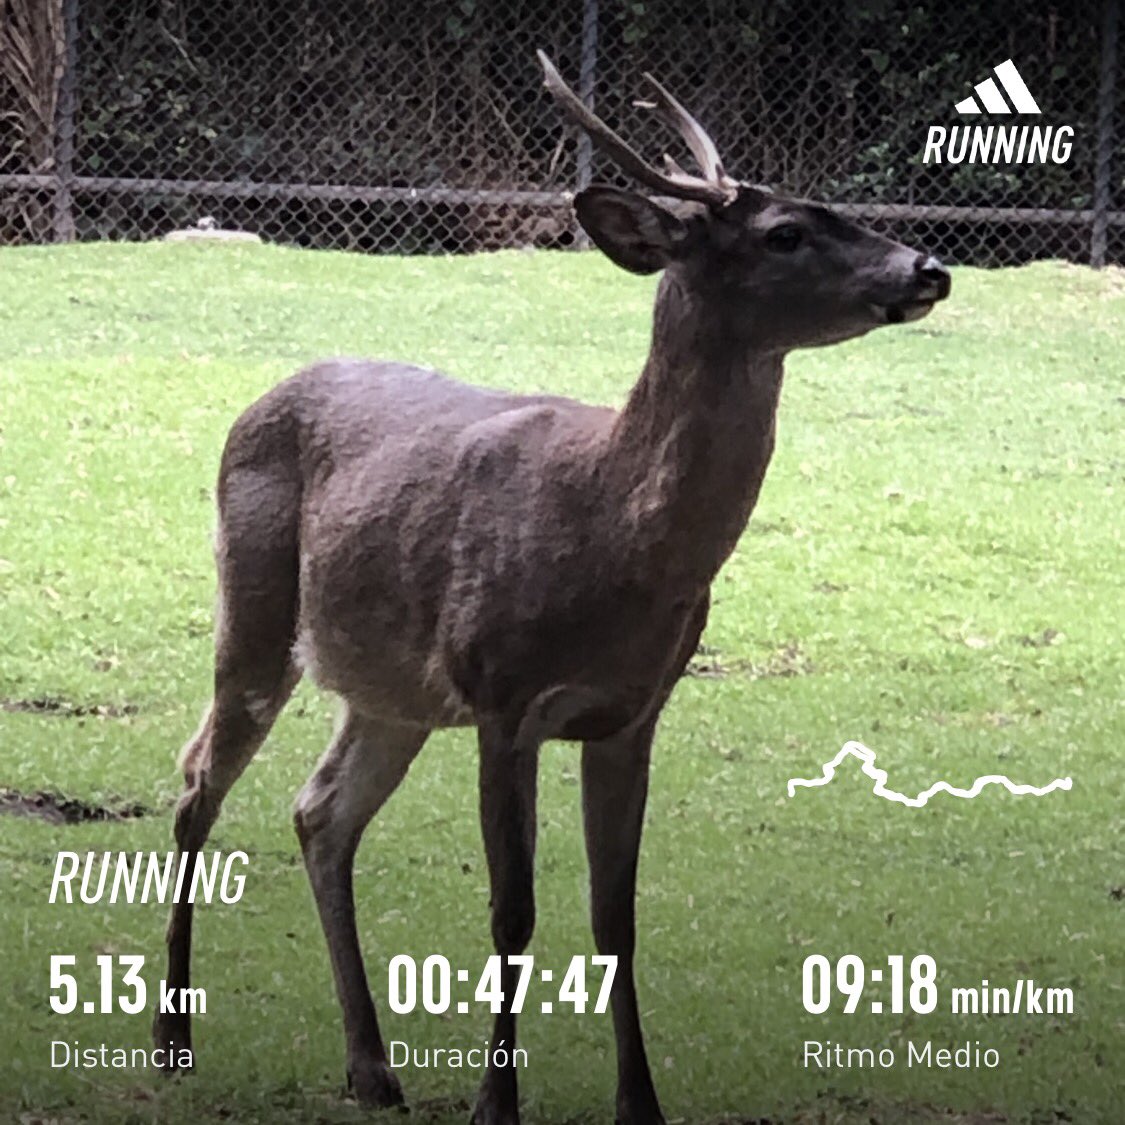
[[991, 98]]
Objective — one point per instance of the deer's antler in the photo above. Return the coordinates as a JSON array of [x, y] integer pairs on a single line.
[[715, 188], [694, 135]]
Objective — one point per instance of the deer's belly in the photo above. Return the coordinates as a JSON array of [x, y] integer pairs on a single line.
[[382, 680], [379, 677], [376, 676]]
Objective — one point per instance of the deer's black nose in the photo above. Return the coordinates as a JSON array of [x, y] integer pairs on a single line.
[[932, 272]]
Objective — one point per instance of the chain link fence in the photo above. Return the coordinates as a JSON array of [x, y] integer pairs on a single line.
[[383, 127]]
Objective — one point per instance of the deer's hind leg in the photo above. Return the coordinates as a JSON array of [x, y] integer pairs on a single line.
[[364, 765], [255, 674]]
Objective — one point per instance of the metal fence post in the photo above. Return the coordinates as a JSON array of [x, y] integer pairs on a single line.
[[1104, 150], [587, 78], [587, 75], [63, 221]]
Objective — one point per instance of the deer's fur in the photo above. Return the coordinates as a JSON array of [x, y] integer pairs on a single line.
[[441, 555]]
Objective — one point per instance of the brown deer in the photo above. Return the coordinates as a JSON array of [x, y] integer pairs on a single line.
[[441, 555]]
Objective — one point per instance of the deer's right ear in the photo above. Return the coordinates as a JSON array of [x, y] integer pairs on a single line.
[[629, 229]]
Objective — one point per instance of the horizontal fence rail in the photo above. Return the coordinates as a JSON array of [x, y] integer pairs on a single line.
[[248, 189]]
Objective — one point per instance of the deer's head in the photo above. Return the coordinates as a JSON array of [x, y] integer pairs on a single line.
[[786, 272]]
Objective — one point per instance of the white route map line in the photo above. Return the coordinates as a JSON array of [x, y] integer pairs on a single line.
[[867, 758]]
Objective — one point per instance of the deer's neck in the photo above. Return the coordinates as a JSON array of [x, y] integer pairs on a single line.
[[690, 449]]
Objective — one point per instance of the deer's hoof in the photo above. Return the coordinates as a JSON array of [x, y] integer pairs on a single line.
[[645, 1111], [488, 1112], [375, 1086], [488, 1117]]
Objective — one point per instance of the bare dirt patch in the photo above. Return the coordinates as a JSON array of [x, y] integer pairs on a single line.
[[64, 709], [787, 660], [1045, 639], [54, 808]]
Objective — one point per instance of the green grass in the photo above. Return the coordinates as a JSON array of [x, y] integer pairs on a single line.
[[936, 558]]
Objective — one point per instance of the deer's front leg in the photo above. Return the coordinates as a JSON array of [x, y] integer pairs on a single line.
[[507, 813], [361, 769], [614, 790]]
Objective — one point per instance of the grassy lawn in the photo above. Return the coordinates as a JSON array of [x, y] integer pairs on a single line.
[[934, 569]]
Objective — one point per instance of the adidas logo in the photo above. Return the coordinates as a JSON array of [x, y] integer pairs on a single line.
[[998, 144], [993, 100]]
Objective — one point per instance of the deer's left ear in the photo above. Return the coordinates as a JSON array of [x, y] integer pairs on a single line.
[[630, 229]]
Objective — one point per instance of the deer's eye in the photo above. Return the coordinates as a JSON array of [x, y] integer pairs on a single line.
[[785, 239]]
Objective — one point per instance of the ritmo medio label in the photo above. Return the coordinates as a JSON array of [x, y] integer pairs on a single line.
[[827, 1055]]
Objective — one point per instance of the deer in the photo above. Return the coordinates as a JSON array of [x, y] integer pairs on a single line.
[[442, 555]]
